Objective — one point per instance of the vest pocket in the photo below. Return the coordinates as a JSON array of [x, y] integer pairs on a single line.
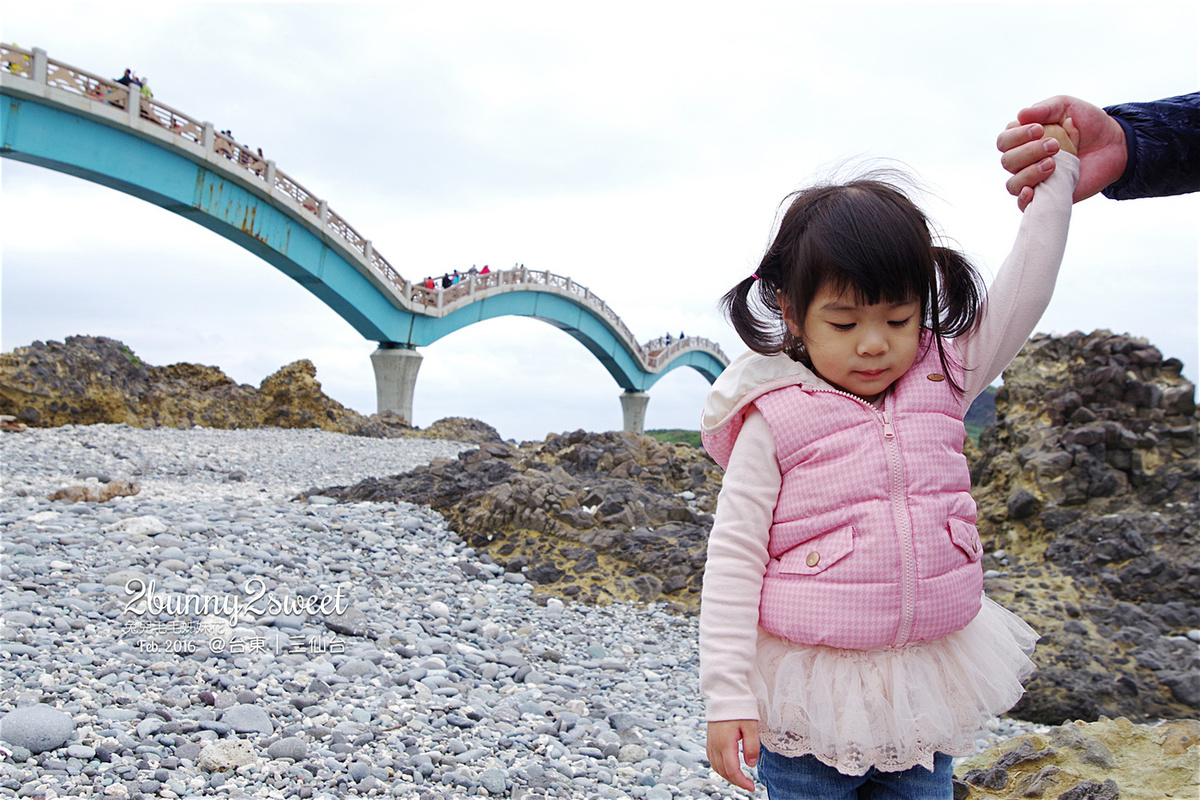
[[966, 537], [814, 555]]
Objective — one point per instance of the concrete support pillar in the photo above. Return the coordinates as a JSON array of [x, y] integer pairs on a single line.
[[134, 104], [395, 379], [633, 409], [41, 65]]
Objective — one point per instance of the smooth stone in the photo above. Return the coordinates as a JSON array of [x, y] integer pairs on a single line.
[[292, 747], [17, 649], [19, 619], [632, 753], [356, 668], [245, 718], [81, 751], [352, 623], [495, 781], [36, 728]]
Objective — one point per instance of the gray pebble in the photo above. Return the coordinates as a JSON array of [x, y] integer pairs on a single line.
[[245, 718], [494, 780], [36, 728], [292, 747], [81, 751]]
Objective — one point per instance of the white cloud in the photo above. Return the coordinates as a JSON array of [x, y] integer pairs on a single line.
[[638, 149]]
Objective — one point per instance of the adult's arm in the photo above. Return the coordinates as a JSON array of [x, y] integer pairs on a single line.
[[1163, 148], [1025, 282]]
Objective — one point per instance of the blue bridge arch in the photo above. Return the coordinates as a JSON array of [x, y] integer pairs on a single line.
[[62, 118]]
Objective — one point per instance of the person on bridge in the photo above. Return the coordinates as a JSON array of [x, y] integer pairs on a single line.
[[485, 270], [18, 63], [127, 79], [446, 281], [429, 284], [845, 641]]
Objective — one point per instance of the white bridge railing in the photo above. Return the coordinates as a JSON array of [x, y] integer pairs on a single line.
[[250, 165]]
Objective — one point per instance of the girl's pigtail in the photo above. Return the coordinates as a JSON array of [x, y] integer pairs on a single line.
[[752, 307], [961, 293], [736, 306], [956, 306]]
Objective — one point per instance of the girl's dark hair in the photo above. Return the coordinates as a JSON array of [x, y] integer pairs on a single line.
[[865, 236]]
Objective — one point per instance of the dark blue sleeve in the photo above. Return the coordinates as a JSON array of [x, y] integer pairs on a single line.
[[1163, 138]]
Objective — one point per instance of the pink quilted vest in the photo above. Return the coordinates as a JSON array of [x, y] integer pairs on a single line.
[[873, 542]]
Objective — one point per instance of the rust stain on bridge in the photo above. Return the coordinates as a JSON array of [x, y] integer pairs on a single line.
[[247, 224]]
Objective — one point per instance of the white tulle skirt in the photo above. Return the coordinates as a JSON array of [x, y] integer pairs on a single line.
[[893, 707]]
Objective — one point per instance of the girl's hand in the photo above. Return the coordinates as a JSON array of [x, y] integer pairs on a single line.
[[723, 738], [1067, 135]]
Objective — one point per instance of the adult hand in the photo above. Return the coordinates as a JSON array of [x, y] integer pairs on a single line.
[[722, 747], [1027, 153]]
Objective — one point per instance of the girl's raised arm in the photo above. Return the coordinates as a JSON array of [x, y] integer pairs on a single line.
[[1025, 282]]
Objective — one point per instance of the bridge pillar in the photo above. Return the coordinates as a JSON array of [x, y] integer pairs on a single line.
[[41, 65], [395, 378], [633, 409]]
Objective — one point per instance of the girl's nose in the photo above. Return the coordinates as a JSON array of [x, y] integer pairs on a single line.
[[872, 344]]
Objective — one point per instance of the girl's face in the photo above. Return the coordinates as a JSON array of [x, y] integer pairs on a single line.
[[860, 349]]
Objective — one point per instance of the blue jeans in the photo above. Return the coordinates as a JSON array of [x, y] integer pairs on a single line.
[[806, 778]]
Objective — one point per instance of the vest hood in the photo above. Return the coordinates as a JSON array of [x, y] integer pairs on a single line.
[[749, 376]]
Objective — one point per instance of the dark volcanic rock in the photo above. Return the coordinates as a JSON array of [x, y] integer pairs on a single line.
[[588, 516], [1087, 488]]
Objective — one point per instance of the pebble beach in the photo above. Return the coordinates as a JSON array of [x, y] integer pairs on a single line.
[[214, 636]]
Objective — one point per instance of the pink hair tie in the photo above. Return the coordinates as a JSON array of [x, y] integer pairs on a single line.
[[754, 275]]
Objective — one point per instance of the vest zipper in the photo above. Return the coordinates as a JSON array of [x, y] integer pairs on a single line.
[[908, 561], [888, 433], [900, 518]]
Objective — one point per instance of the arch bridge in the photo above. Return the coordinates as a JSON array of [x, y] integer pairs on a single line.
[[60, 117]]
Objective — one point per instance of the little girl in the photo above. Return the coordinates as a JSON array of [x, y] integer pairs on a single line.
[[843, 624]]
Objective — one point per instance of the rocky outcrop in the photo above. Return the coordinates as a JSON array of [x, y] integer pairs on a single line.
[[593, 517], [1101, 760], [92, 379], [1087, 488]]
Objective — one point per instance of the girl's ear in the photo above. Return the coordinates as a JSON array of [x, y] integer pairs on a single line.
[[789, 314]]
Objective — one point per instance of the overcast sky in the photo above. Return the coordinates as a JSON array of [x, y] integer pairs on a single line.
[[640, 148]]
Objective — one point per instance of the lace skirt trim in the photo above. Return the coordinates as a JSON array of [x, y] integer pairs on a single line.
[[891, 708]]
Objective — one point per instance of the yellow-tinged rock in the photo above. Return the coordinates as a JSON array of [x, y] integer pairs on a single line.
[[1146, 762]]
